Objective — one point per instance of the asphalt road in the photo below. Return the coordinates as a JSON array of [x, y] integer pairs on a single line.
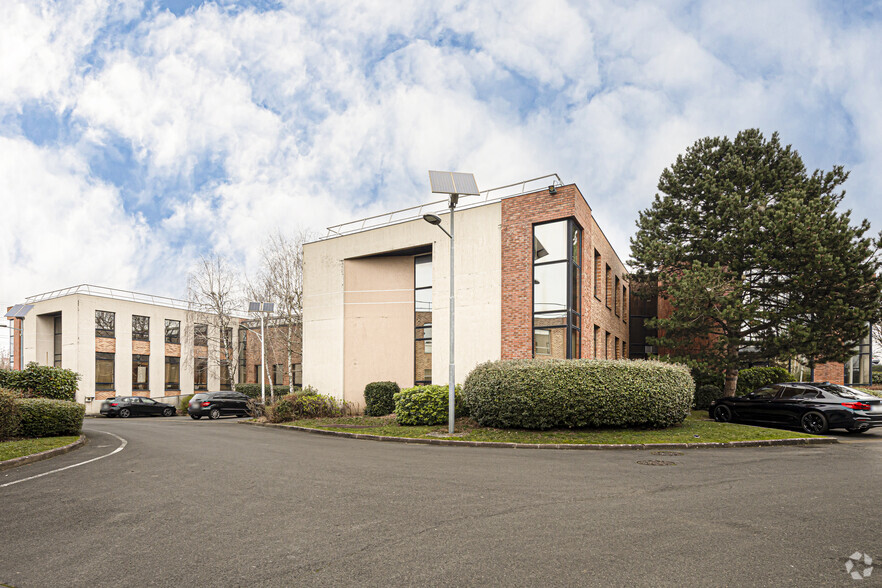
[[216, 503]]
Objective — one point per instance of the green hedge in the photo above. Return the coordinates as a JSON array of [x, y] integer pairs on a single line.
[[751, 379], [378, 398], [184, 404], [43, 417], [41, 381], [706, 394], [305, 406], [427, 405], [8, 413], [253, 390], [545, 394]]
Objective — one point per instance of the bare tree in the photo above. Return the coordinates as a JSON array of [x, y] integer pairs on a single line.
[[280, 280], [214, 293]]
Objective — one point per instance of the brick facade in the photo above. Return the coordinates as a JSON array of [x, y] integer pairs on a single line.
[[519, 214], [833, 372], [276, 353]]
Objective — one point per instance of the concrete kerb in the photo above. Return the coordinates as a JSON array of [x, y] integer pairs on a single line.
[[26, 459], [586, 446]]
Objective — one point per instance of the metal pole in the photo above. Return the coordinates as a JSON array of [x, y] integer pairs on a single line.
[[452, 377], [262, 364]]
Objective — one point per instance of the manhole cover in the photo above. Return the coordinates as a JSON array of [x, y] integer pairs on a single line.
[[655, 462], [667, 453]]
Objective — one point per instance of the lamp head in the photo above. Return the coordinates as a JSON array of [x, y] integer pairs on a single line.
[[432, 219]]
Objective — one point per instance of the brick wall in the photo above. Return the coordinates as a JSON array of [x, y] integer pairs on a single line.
[[276, 353], [519, 214], [833, 372]]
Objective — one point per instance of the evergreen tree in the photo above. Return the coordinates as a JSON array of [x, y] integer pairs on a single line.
[[753, 258]]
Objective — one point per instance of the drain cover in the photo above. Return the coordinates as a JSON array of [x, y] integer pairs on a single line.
[[667, 453], [656, 462]]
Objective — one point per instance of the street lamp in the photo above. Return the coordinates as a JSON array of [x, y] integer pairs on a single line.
[[453, 184], [262, 308]]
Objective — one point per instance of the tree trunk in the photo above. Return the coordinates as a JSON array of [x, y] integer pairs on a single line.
[[731, 382], [290, 366]]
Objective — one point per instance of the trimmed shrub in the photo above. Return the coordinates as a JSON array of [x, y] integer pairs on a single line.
[[253, 390], [8, 413], [184, 404], [706, 394], [305, 406], [41, 381], [42, 417], [427, 405], [378, 398], [756, 377], [545, 394]]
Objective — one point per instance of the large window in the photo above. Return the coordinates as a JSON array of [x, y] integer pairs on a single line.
[[56, 340], [557, 289], [172, 373], [105, 323], [200, 335], [278, 374], [226, 380], [172, 331], [200, 374], [104, 371], [140, 372], [297, 369], [422, 296], [140, 328]]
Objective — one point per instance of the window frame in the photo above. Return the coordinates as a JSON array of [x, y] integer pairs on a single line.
[[572, 313], [103, 331], [111, 358], [419, 331], [137, 360], [173, 339], [172, 360], [200, 367], [200, 335], [138, 333]]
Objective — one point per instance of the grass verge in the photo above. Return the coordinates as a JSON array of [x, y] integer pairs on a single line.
[[23, 447], [697, 428]]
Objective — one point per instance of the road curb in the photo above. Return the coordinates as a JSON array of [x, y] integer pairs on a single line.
[[585, 446], [26, 459]]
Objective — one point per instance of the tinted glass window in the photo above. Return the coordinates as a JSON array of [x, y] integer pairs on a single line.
[[550, 242]]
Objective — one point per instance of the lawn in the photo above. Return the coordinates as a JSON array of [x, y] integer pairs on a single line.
[[22, 447], [697, 428]]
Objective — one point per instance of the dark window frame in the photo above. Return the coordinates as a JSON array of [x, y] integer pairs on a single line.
[[172, 360], [200, 335], [105, 324], [140, 332], [108, 357], [226, 376], [420, 330], [573, 310], [297, 370], [57, 343], [173, 333], [137, 360], [200, 368]]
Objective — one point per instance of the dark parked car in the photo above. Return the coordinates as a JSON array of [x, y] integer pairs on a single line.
[[214, 405], [126, 406], [814, 407]]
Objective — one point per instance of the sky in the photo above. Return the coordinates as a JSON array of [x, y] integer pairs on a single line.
[[137, 135]]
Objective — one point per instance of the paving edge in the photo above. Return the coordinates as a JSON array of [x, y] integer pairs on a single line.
[[598, 446], [26, 459]]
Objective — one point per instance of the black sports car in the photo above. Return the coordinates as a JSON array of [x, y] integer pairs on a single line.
[[814, 407], [126, 406]]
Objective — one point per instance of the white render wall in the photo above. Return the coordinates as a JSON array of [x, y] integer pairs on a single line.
[[478, 275], [78, 343]]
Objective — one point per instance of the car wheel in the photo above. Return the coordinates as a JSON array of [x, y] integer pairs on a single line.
[[723, 414], [168, 412], [814, 423], [214, 414], [124, 413], [195, 417]]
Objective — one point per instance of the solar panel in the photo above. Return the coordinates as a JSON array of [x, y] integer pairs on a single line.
[[269, 306], [453, 183], [19, 311], [254, 307]]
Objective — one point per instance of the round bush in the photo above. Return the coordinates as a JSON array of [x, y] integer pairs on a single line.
[[378, 398], [545, 394], [751, 379], [427, 405], [42, 417], [706, 394], [41, 381]]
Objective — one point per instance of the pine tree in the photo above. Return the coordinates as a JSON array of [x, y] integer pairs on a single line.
[[754, 259]]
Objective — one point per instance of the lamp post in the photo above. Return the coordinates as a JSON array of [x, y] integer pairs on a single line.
[[261, 308], [453, 184]]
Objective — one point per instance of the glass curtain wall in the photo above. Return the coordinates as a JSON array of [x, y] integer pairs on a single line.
[[422, 296], [557, 289]]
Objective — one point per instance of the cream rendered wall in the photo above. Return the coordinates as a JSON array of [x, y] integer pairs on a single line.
[[478, 284]]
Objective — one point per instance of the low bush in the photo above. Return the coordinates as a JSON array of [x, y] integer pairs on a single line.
[[43, 417], [545, 394], [427, 405], [8, 413], [41, 381], [378, 398], [184, 403], [305, 406], [253, 390], [756, 377], [706, 394]]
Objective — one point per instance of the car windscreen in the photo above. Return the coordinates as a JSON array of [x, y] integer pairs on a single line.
[[845, 391], [198, 397]]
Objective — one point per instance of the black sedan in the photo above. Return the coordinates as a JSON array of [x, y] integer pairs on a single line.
[[814, 407], [126, 406]]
